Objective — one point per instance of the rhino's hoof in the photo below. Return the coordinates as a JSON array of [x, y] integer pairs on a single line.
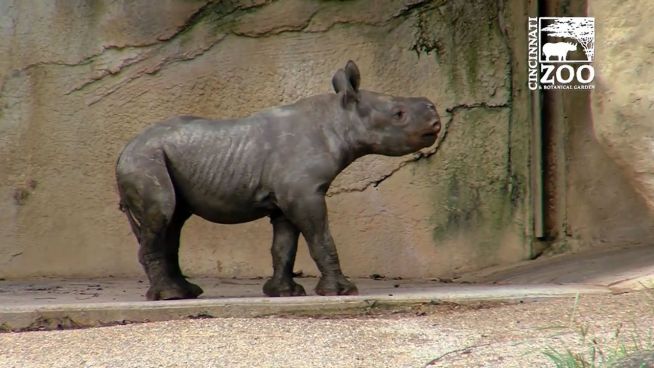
[[336, 286], [172, 292], [288, 287]]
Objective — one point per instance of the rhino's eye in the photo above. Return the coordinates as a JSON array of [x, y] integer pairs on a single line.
[[398, 115]]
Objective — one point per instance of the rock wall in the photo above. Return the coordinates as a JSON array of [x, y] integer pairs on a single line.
[[623, 103], [598, 149], [80, 78]]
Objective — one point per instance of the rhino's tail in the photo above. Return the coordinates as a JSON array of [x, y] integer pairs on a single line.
[[133, 222]]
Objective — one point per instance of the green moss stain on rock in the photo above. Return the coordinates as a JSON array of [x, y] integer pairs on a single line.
[[471, 195], [465, 38], [475, 194]]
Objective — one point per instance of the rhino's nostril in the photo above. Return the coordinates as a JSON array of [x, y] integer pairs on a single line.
[[431, 106], [436, 124]]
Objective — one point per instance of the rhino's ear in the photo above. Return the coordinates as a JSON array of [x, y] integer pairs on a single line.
[[343, 85], [352, 73]]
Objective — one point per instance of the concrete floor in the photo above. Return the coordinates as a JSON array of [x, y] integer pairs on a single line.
[[497, 335], [59, 303], [625, 268]]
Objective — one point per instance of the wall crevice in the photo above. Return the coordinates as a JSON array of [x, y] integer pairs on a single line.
[[423, 154]]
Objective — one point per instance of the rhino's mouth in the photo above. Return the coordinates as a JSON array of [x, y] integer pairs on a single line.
[[429, 135]]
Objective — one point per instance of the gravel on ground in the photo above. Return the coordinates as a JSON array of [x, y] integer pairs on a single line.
[[445, 335]]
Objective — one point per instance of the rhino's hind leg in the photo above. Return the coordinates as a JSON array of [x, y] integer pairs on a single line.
[[284, 248], [159, 256], [181, 288], [149, 197]]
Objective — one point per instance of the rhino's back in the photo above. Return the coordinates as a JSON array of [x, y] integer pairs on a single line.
[[215, 166]]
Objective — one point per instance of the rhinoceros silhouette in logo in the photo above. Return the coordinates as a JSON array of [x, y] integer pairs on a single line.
[[558, 49]]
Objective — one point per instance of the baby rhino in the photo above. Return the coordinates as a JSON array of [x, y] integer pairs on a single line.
[[277, 163]]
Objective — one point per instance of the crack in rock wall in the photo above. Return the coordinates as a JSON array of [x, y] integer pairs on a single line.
[[83, 77]]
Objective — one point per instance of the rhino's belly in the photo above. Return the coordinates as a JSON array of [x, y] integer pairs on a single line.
[[229, 203], [226, 214], [227, 209]]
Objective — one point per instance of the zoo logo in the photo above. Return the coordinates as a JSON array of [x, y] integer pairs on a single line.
[[555, 59]]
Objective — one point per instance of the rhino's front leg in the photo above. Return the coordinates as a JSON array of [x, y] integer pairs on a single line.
[[284, 248], [309, 214]]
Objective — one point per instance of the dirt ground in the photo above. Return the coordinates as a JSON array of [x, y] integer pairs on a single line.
[[445, 335]]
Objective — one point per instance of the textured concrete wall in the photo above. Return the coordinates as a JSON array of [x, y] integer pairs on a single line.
[[599, 154], [80, 78], [623, 103]]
